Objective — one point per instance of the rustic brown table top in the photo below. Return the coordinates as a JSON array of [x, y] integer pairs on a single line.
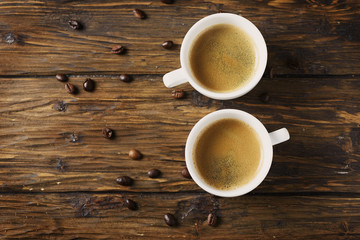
[[57, 172]]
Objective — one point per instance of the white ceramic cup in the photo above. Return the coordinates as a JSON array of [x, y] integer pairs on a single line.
[[267, 140], [184, 74]]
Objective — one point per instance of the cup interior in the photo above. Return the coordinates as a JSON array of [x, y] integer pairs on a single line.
[[224, 18], [265, 142]]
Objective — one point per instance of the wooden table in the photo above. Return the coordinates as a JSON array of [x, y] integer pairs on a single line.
[[58, 173]]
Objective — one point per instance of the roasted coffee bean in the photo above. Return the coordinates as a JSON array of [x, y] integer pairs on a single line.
[[167, 44], [170, 219], [185, 173], [265, 97], [125, 78], [212, 219], [135, 154], [154, 173], [167, 1], [107, 133], [177, 94], [70, 88], [130, 204], [89, 85], [125, 181], [61, 77], [75, 24], [139, 14], [118, 49]]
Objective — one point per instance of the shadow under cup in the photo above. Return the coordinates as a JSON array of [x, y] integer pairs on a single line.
[[230, 19], [264, 140]]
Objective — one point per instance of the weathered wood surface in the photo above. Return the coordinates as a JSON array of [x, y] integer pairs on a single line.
[[57, 172], [321, 114], [103, 216], [310, 37]]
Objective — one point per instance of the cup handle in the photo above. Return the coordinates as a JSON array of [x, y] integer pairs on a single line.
[[279, 136], [174, 78]]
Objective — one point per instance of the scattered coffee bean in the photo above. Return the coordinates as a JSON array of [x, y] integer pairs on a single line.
[[167, 1], [135, 154], [265, 97], [154, 173], [170, 220], [185, 173], [177, 94], [107, 133], [167, 44], [125, 181], [212, 219], [61, 77], [89, 85], [130, 204], [70, 88], [125, 78], [75, 24], [139, 14], [118, 49]]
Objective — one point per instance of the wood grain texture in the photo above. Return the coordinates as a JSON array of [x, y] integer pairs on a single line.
[[321, 114], [57, 172], [310, 37], [102, 216]]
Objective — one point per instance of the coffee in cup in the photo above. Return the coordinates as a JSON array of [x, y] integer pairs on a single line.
[[227, 154], [223, 58]]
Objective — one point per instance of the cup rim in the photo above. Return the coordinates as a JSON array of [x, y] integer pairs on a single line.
[[193, 33], [265, 142]]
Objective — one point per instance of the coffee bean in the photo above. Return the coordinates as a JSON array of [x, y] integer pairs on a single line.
[[89, 85], [212, 219], [70, 88], [170, 219], [75, 24], [107, 133], [125, 181], [167, 44], [185, 173], [135, 154], [177, 94], [61, 77], [130, 204], [265, 97], [154, 173], [118, 49], [139, 14], [125, 78], [167, 1]]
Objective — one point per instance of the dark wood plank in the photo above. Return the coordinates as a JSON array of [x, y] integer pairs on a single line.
[[312, 37], [69, 216], [321, 114]]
